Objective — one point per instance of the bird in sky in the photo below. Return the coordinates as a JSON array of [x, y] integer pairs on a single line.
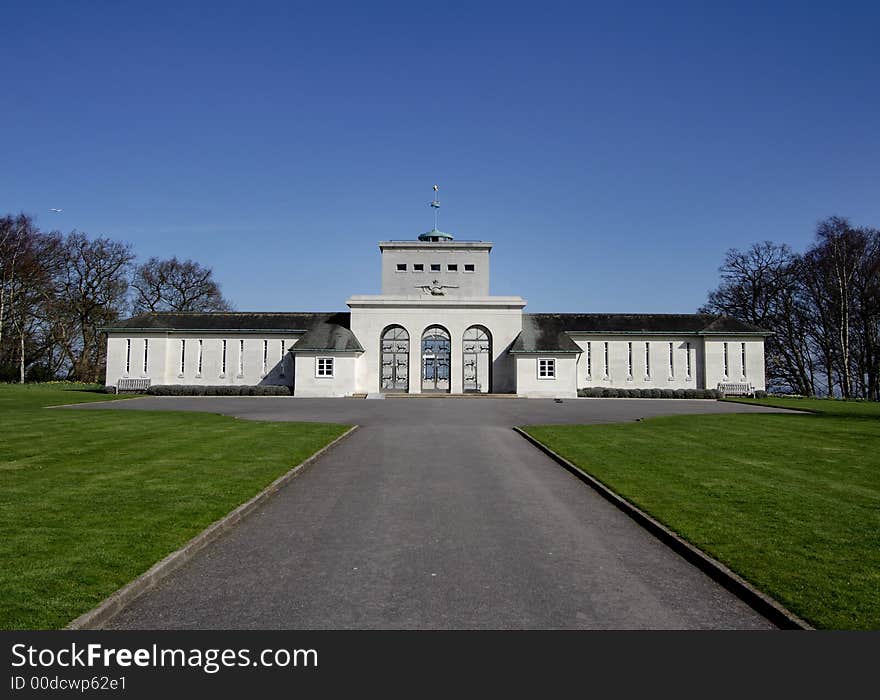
[[57, 211]]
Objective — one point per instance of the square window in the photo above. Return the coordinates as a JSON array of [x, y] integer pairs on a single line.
[[468, 268], [418, 267], [324, 367], [401, 267], [547, 368], [452, 268], [435, 267]]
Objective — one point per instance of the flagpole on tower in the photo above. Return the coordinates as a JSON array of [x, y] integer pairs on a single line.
[[435, 205]]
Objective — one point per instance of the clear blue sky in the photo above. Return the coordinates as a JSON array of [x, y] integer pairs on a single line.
[[612, 151]]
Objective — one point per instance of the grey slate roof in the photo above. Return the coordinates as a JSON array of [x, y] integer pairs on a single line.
[[550, 332], [543, 333], [332, 332], [321, 331]]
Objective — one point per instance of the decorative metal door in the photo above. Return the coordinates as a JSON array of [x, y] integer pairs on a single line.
[[436, 347], [395, 360], [476, 356]]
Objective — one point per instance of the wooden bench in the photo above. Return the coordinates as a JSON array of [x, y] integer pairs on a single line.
[[132, 384], [736, 388]]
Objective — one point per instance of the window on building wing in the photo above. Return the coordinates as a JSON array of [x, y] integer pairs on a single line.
[[547, 368], [324, 367]]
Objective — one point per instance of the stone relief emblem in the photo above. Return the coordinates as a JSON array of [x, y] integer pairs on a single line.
[[435, 288]]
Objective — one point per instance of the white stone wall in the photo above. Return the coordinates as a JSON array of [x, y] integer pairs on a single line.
[[753, 370], [309, 384], [654, 375], [529, 383], [706, 362], [164, 358], [116, 357], [460, 283], [501, 316]]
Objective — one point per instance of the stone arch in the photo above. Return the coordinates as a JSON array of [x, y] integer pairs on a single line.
[[394, 359], [476, 360], [436, 360]]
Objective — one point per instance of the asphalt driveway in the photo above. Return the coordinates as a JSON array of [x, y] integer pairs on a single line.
[[436, 515]]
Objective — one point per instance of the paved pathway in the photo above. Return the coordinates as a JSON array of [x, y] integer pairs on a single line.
[[436, 515]]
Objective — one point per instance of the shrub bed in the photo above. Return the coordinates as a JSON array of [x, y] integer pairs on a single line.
[[201, 390], [596, 392]]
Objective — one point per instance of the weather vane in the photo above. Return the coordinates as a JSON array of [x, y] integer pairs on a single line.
[[435, 205]]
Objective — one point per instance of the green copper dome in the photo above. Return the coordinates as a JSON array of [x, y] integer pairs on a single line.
[[435, 236]]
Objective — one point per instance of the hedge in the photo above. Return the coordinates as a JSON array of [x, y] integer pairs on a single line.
[[226, 390], [596, 392]]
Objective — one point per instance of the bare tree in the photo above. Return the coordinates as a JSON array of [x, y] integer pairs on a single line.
[[866, 296], [838, 251], [175, 285], [57, 292], [15, 233], [32, 290], [90, 292], [761, 286], [823, 307]]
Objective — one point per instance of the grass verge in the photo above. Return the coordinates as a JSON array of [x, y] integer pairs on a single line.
[[790, 502], [91, 499]]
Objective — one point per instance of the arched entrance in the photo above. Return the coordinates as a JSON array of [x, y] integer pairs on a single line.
[[436, 360], [394, 360], [476, 360]]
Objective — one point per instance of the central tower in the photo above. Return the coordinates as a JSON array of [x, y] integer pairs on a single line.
[[435, 328], [436, 265]]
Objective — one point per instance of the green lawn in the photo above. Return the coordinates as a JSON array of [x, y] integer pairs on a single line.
[[790, 502], [831, 407], [91, 499]]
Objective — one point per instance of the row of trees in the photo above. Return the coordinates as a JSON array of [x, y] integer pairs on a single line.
[[57, 291], [823, 306]]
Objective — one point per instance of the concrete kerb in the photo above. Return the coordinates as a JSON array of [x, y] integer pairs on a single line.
[[760, 602], [97, 616]]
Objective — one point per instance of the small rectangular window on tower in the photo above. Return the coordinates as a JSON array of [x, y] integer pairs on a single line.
[[418, 267], [401, 267], [468, 268], [452, 268], [435, 267]]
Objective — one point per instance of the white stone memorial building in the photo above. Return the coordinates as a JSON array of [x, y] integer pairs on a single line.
[[436, 328]]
